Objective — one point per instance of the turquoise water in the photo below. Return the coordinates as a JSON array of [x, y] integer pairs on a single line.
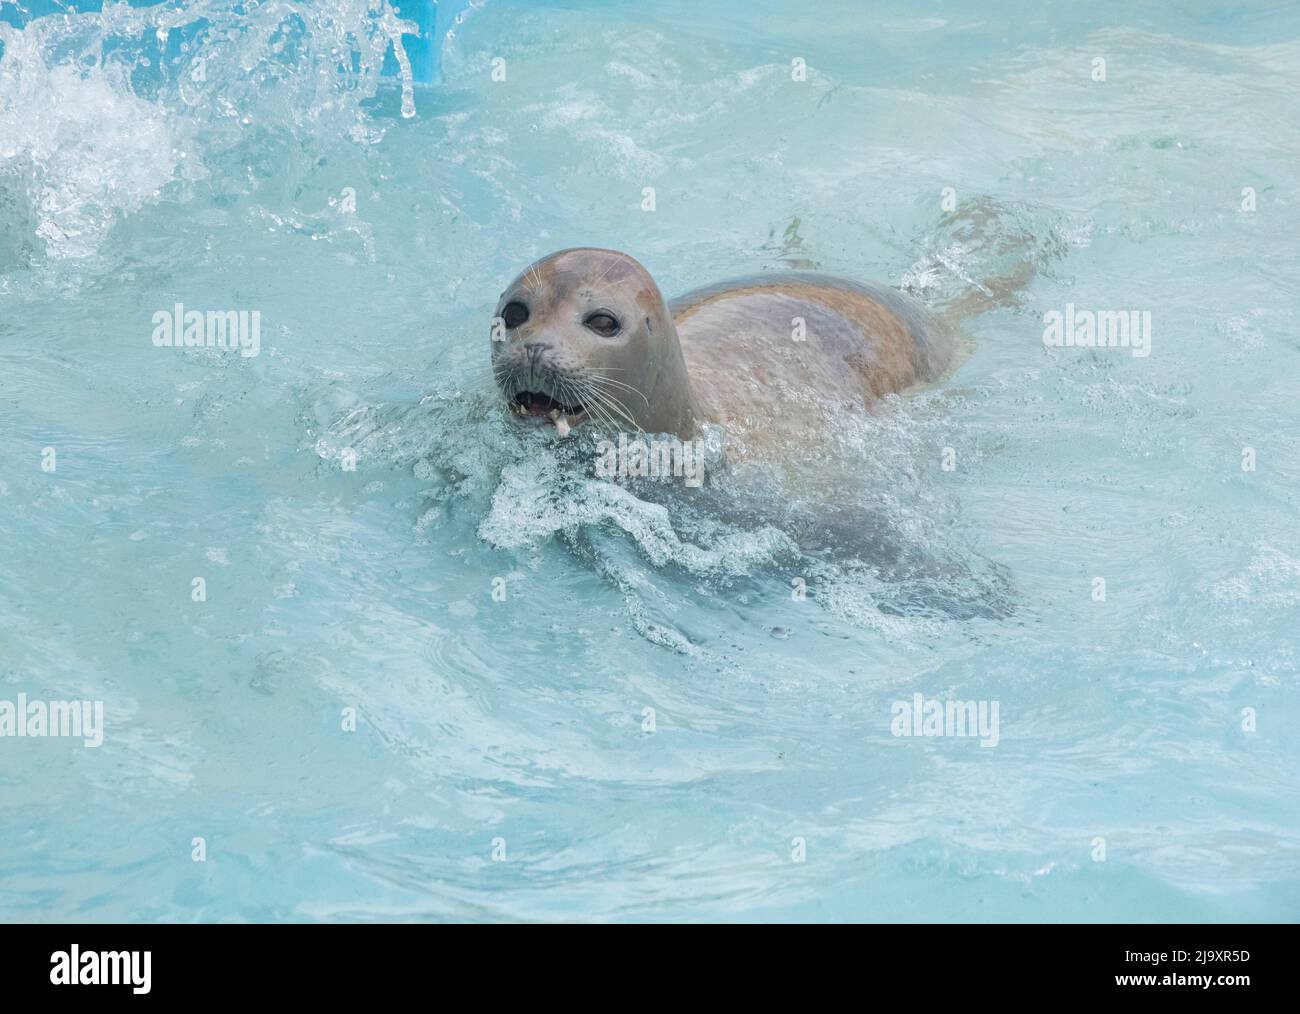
[[502, 763]]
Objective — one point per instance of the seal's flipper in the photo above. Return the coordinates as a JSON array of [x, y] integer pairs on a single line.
[[982, 256]]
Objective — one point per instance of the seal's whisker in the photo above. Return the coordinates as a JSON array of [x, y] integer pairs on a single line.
[[606, 400], [621, 283], [478, 374], [594, 410], [601, 417], [611, 387], [594, 405], [610, 267], [573, 396], [614, 405], [596, 371], [605, 383], [503, 374]]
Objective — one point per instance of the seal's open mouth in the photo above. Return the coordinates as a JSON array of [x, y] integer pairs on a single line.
[[543, 406]]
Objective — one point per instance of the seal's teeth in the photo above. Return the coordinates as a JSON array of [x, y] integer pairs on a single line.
[[561, 422]]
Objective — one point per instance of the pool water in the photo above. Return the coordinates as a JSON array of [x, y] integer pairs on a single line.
[[466, 679]]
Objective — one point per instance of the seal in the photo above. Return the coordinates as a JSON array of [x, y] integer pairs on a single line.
[[584, 336]]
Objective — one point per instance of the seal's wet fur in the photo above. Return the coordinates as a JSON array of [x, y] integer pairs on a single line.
[[762, 357]]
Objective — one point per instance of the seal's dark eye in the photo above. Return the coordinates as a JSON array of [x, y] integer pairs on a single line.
[[514, 314], [603, 323]]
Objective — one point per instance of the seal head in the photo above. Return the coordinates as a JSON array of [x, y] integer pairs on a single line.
[[584, 335]]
